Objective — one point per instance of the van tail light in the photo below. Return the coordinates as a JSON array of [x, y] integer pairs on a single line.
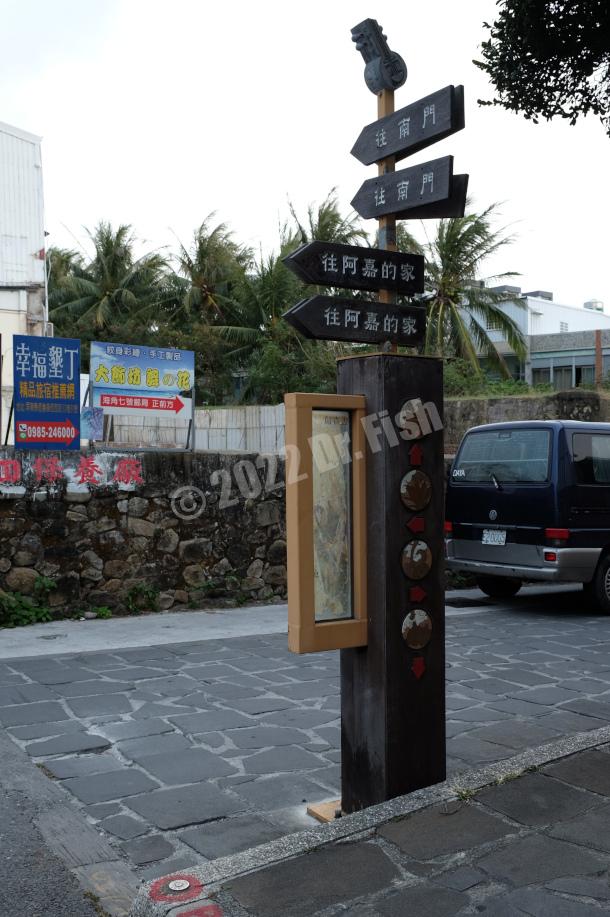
[[557, 534], [448, 528], [550, 557]]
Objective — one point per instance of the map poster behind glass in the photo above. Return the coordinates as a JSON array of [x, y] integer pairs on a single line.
[[331, 517]]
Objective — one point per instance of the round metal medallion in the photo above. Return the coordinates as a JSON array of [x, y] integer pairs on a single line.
[[417, 629], [493, 515], [179, 885], [415, 490], [416, 559]]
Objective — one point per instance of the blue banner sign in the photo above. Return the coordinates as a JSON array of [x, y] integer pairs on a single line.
[[46, 378]]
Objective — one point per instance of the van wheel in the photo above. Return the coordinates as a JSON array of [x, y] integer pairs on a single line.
[[499, 587], [601, 585]]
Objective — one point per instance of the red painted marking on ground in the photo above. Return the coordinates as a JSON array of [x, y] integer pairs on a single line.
[[161, 892], [419, 666]]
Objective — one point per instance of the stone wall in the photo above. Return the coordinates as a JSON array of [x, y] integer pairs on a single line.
[[462, 413], [115, 544]]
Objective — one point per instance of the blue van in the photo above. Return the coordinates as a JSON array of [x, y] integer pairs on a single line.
[[530, 500]]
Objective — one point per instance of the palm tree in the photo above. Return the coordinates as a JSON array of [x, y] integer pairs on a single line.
[[324, 224], [211, 268], [461, 308], [113, 287]]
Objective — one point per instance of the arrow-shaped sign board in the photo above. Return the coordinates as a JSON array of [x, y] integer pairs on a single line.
[[412, 128], [401, 192], [335, 265], [334, 318]]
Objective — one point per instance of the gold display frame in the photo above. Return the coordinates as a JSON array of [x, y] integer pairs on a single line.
[[305, 634]]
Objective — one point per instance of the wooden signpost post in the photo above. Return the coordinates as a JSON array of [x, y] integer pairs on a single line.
[[392, 677]]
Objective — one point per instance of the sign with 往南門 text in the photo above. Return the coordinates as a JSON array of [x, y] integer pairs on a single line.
[[134, 379], [46, 379]]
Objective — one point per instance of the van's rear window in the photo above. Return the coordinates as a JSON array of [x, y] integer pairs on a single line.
[[515, 456], [591, 457]]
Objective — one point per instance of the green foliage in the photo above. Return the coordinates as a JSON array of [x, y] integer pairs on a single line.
[[18, 610], [461, 308], [142, 597], [43, 586], [550, 58], [102, 611]]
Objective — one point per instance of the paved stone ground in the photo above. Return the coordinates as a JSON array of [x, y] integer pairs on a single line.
[[535, 845], [199, 750]]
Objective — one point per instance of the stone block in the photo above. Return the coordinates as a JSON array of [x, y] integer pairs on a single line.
[[26, 713], [588, 769], [138, 506], [148, 849], [170, 743], [166, 600], [231, 835], [331, 876], [181, 596], [432, 833], [190, 765], [21, 579], [91, 559], [194, 550], [116, 568], [255, 570], [168, 541], [124, 826], [97, 705], [68, 744], [194, 575], [92, 574], [537, 859], [537, 800], [140, 527], [267, 513], [182, 806], [277, 552], [114, 785], [83, 765], [590, 830], [276, 576], [77, 496]]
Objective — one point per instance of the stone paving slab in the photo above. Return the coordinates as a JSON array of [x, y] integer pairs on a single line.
[[260, 725], [417, 865]]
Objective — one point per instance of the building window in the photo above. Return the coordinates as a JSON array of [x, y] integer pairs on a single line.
[[493, 324], [563, 326], [541, 376]]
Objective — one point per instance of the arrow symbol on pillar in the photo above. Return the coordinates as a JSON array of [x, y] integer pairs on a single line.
[[419, 666], [416, 454], [416, 524], [417, 594]]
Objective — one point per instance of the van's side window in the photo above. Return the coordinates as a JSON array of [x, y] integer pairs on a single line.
[[591, 452]]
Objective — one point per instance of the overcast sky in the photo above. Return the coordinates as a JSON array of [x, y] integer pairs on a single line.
[[157, 113]]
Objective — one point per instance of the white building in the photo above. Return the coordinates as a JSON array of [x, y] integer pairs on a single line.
[[23, 307], [537, 314], [22, 240]]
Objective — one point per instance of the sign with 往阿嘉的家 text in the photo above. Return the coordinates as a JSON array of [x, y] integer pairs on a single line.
[[336, 265], [136, 379], [334, 318], [46, 379]]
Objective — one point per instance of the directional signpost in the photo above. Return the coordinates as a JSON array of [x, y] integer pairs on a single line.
[[333, 318], [332, 264], [412, 128], [392, 686]]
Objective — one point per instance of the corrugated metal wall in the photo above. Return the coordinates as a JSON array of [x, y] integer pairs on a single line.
[[21, 208]]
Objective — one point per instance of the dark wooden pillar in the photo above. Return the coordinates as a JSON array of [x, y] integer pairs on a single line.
[[392, 694]]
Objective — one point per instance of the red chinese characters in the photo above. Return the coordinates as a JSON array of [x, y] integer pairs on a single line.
[[10, 471], [128, 471], [48, 469], [88, 471]]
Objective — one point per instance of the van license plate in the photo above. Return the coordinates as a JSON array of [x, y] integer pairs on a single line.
[[494, 536]]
